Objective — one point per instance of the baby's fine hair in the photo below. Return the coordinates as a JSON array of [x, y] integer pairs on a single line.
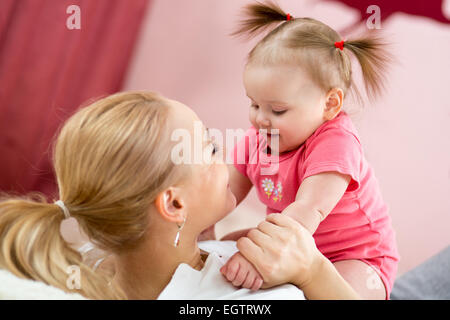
[[310, 44]]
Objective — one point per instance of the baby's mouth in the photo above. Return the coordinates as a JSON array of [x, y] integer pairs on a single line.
[[272, 136], [269, 142]]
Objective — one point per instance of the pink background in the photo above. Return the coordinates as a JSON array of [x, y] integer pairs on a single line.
[[185, 53]]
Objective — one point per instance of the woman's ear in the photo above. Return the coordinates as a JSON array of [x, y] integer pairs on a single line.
[[170, 205], [333, 104]]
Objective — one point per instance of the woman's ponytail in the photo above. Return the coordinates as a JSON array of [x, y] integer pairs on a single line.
[[32, 247]]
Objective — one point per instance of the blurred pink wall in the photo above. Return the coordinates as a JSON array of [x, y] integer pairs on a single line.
[[186, 54]]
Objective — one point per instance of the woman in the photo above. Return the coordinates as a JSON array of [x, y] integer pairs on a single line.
[[117, 177]]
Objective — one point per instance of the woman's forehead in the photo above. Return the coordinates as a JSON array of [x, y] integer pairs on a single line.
[[182, 115]]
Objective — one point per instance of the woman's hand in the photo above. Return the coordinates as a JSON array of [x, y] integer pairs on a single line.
[[282, 251]]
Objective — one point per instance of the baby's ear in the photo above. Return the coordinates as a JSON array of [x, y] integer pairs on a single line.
[[333, 103]]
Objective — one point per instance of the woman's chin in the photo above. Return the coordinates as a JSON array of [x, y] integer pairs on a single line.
[[232, 198], [230, 203]]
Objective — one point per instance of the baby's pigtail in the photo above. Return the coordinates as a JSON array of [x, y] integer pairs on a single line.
[[258, 17], [373, 57]]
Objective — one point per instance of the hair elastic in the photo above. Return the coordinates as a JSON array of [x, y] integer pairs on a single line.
[[61, 204], [339, 44]]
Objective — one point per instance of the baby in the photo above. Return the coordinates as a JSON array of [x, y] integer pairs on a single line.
[[296, 78]]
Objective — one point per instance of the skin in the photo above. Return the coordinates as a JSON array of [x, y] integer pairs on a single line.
[[185, 201], [179, 203], [282, 249], [283, 97]]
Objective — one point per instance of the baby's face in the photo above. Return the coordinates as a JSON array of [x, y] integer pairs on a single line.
[[284, 97]]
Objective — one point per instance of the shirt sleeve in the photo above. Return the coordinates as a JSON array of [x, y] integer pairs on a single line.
[[334, 149]]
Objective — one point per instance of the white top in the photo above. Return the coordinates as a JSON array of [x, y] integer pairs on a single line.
[[209, 284], [187, 283]]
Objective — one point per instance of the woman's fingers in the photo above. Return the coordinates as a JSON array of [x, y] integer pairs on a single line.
[[281, 250], [258, 237], [269, 228], [251, 251], [281, 220]]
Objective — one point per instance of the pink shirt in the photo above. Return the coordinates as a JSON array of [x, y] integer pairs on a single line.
[[359, 226]]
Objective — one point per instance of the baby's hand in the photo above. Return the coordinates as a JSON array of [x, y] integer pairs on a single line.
[[241, 273]]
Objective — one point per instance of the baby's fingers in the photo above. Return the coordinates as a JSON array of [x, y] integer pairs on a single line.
[[253, 281], [249, 281], [240, 277], [232, 268], [257, 284]]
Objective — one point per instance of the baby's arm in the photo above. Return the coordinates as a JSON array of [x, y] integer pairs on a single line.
[[316, 197], [237, 270], [240, 185]]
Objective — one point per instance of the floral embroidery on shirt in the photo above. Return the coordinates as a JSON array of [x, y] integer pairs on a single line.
[[269, 188], [277, 192]]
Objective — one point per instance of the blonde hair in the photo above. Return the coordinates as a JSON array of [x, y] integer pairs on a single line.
[[311, 44], [111, 159]]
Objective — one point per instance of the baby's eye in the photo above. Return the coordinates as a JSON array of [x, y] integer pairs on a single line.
[[278, 112]]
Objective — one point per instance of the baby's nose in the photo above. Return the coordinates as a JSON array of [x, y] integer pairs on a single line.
[[262, 121]]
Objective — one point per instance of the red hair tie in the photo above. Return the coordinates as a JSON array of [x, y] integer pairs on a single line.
[[288, 17], [339, 44]]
